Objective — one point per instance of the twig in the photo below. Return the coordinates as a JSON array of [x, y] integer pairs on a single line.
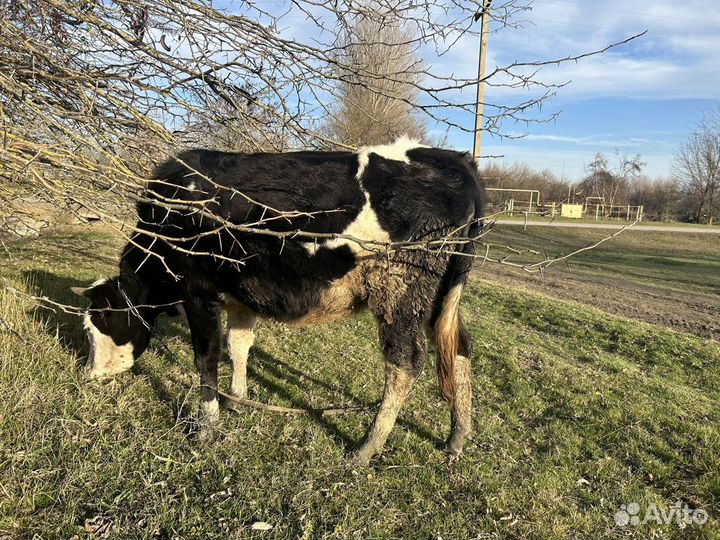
[[328, 411]]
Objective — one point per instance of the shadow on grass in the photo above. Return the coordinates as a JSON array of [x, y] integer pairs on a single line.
[[299, 379], [272, 374], [292, 377], [167, 389], [65, 326]]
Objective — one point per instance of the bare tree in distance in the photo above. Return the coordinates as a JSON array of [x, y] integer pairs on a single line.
[[611, 183], [660, 197], [243, 126], [522, 176], [697, 167], [378, 86]]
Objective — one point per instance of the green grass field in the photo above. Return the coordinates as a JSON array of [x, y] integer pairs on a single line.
[[576, 413], [663, 260]]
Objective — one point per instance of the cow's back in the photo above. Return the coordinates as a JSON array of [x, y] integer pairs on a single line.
[[356, 196]]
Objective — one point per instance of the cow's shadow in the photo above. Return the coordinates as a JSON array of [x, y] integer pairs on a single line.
[[269, 372], [65, 324], [288, 383]]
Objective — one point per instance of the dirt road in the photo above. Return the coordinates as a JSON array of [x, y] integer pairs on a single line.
[[684, 311], [611, 226]]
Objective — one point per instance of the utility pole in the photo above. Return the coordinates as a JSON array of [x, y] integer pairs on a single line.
[[483, 16]]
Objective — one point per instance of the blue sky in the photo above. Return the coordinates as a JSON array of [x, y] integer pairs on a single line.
[[641, 98]]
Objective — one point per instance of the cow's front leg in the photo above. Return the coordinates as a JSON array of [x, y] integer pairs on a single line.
[[405, 352], [240, 337], [203, 313]]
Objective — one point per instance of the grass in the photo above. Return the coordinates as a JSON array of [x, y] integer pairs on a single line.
[[663, 260], [576, 412]]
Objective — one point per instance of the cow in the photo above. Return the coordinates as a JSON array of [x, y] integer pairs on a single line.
[[301, 237]]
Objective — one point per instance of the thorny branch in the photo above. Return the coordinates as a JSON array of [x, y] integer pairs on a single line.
[[93, 94], [437, 246]]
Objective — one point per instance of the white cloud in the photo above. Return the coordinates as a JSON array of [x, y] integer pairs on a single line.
[[598, 141], [675, 59]]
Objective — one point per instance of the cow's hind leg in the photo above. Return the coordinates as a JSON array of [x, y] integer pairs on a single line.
[[203, 313], [453, 345], [405, 351], [240, 337], [461, 409]]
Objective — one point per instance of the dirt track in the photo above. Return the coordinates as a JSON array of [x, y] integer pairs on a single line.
[[694, 313], [610, 226]]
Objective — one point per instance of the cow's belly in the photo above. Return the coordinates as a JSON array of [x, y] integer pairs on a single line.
[[377, 284], [343, 298]]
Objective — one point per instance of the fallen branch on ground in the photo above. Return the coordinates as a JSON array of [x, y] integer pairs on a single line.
[[231, 402]]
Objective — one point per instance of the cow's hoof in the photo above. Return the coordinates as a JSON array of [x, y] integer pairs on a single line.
[[454, 446], [361, 455], [358, 459], [232, 405], [453, 455], [208, 420], [364, 452], [208, 434], [208, 429], [453, 450]]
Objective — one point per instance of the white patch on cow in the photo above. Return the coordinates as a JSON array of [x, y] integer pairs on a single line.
[[366, 226], [191, 186], [105, 357], [396, 151], [98, 282], [210, 411], [311, 247]]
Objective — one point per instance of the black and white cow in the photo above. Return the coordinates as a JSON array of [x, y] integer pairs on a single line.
[[392, 193]]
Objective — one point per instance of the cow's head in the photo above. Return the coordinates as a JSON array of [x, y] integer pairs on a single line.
[[118, 330]]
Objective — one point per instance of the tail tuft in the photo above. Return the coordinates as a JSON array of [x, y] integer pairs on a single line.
[[447, 333]]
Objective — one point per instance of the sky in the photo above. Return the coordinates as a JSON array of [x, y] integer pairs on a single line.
[[640, 98]]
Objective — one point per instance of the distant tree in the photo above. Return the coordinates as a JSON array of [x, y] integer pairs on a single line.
[[379, 82], [522, 176], [93, 94], [661, 197], [697, 167], [611, 183]]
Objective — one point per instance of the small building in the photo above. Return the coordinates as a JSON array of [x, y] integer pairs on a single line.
[[571, 210]]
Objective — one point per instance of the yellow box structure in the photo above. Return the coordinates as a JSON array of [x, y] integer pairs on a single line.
[[571, 210]]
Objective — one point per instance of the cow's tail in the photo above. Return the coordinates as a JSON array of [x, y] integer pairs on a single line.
[[449, 334]]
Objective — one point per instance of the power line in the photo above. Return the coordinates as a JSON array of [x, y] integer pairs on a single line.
[[483, 16]]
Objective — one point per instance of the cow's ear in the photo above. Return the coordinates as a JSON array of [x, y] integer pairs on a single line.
[[81, 291], [87, 292]]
